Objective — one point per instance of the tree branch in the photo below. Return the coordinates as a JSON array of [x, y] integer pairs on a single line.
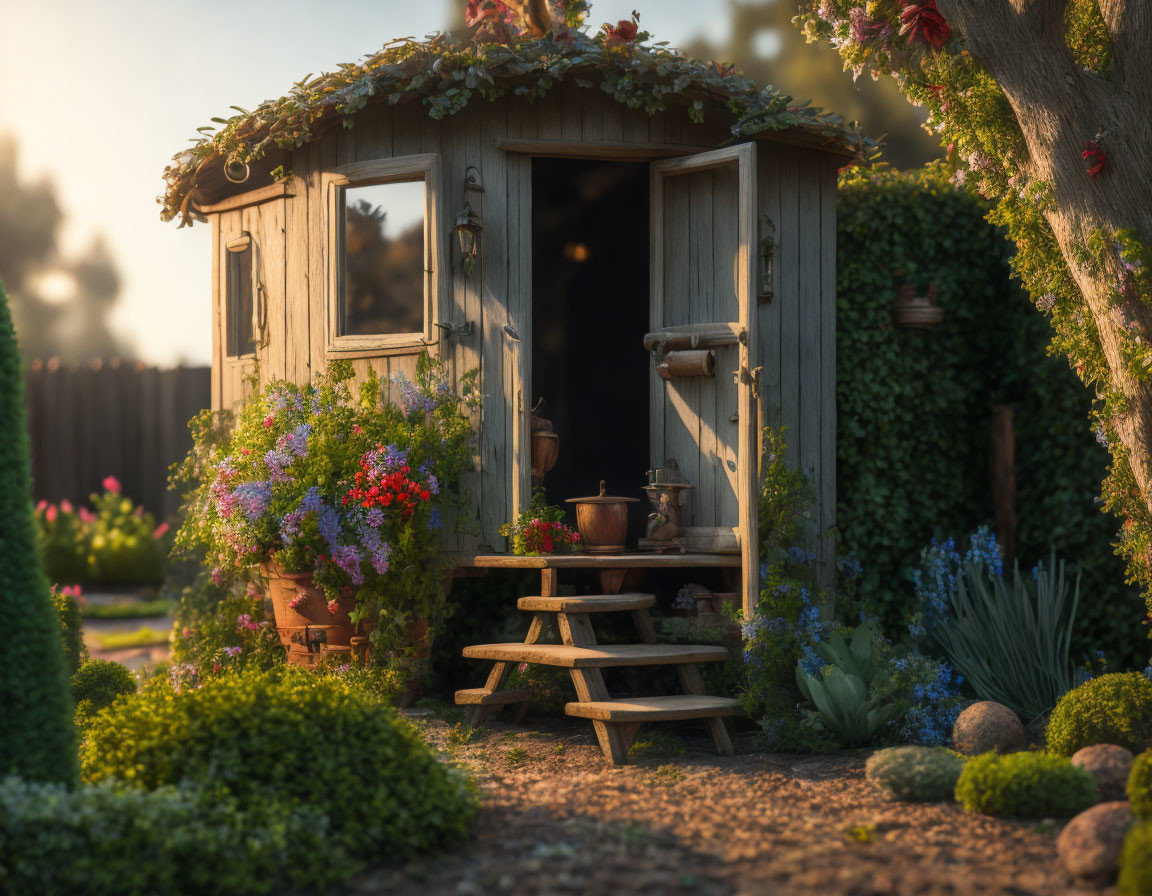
[[1129, 24]]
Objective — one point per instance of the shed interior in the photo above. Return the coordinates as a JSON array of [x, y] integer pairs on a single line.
[[590, 310]]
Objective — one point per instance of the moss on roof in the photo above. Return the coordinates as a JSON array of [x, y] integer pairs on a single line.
[[447, 72]]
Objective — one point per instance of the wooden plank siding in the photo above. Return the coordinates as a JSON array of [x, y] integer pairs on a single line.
[[796, 329]]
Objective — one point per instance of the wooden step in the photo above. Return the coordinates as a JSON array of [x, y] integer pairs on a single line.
[[485, 697], [598, 657], [655, 709], [588, 603]]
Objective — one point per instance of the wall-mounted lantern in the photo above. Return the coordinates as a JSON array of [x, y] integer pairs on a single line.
[[468, 228]]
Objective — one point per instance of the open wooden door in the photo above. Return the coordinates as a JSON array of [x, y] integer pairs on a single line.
[[703, 295]]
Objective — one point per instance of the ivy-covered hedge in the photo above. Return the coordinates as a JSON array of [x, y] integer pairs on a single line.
[[914, 406]]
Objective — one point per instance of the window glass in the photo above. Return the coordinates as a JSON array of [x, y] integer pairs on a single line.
[[384, 259], [238, 302]]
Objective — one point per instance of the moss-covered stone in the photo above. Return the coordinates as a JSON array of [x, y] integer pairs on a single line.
[[915, 774]]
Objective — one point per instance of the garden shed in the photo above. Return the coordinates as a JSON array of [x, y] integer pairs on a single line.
[[646, 242]]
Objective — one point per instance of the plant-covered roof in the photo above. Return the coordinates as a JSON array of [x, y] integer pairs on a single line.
[[446, 73]]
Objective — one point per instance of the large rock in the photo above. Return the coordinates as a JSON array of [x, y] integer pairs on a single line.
[[987, 726], [1090, 844], [1109, 765]]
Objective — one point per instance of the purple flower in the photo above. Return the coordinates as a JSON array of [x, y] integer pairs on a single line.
[[232, 651], [348, 559], [253, 498]]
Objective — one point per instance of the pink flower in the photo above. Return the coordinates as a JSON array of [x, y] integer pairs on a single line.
[[42, 506], [244, 623], [87, 516], [111, 484], [217, 576], [160, 531], [139, 511], [333, 607], [50, 513], [268, 421], [66, 506], [922, 22], [356, 429]]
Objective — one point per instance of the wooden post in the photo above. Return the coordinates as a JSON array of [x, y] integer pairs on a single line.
[[1002, 473]]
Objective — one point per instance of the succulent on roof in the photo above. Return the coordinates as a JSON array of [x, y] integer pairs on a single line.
[[446, 72]]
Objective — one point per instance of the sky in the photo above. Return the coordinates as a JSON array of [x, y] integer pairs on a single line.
[[100, 96]]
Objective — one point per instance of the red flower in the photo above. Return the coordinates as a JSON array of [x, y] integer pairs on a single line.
[[623, 33], [922, 22], [1095, 155], [425, 495]]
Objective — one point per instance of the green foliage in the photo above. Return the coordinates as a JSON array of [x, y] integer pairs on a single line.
[[129, 608], [1140, 785], [66, 600], [1112, 709], [295, 736], [841, 688], [973, 116], [1136, 861], [339, 482], [447, 73], [97, 684], [551, 687], [117, 841], [36, 740], [115, 542], [913, 405], [1025, 785], [1010, 639], [222, 627], [915, 774]]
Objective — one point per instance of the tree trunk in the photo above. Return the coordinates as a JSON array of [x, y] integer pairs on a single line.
[[1058, 107]]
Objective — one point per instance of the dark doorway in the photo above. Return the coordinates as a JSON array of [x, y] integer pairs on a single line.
[[589, 316]]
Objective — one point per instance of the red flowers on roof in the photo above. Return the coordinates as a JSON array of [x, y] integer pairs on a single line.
[[922, 22], [624, 32]]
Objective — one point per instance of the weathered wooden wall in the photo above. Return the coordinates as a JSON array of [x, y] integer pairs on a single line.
[[116, 419], [795, 187]]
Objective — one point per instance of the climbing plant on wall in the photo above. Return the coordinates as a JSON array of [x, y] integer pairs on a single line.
[[914, 404], [1043, 107]]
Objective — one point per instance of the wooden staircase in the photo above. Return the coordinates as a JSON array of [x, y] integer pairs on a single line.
[[616, 722]]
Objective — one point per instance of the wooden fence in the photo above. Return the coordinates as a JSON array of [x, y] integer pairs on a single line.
[[116, 418]]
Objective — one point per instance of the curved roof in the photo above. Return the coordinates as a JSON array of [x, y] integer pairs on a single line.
[[447, 73]]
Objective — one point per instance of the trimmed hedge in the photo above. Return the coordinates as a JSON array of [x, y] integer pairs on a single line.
[[112, 841], [71, 629], [292, 736], [1025, 785], [37, 740], [1140, 785], [1136, 861], [915, 774], [914, 406], [97, 684], [1112, 709]]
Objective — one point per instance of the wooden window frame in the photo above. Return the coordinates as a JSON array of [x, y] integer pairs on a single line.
[[240, 243], [424, 167]]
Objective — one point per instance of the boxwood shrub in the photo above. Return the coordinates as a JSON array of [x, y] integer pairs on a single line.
[[1140, 785], [114, 841], [290, 735], [1025, 785], [915, 774], [1136, 861], [97, 684], [1111, 709]]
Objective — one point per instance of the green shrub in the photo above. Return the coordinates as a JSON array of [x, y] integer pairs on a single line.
[[915, 774], [113, 841], [1140, 785], [294, 736], [913, 405], [1136, 861], [37, 740], [1025, 785], [67, 603], [97, 684], [1111, 709], [212, 621]]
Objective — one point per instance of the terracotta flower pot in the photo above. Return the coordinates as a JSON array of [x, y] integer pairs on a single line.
[[308, 628], [602, 521]]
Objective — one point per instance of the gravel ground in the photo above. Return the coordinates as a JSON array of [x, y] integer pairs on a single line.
[[680, 819]]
